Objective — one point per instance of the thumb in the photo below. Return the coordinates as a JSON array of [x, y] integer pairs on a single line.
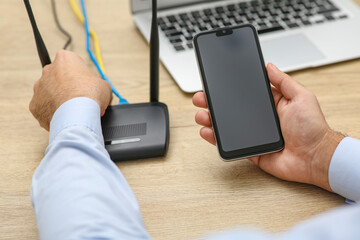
[[287, 86]]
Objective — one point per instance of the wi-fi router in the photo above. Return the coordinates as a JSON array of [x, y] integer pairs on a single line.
[[137, 131], [131, 131]]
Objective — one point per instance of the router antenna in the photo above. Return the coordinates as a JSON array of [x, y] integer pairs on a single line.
[[154, 55], [42, 51]]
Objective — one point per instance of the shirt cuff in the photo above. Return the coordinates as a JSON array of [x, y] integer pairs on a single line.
[[344, 169], [80, 111]]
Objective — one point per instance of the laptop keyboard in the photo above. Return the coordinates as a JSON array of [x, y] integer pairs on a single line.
[[266, 15]]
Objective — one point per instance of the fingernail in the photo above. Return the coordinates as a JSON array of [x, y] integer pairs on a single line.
[[274, 67]]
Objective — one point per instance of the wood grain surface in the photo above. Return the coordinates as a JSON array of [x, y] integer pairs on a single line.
[[189, 193]]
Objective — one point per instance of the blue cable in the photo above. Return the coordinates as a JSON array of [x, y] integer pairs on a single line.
[[122, 100]]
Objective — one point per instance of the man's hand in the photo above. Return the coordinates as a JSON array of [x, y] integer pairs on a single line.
[[309, 141], [66, 78]]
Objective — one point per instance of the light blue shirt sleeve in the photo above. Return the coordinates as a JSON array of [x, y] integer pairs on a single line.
[[344, 170], [79, 193]]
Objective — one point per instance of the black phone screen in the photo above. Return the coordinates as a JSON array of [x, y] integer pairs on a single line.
[[238, 92]]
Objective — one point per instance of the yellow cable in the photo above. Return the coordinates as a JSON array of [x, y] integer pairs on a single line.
[[93, 35]]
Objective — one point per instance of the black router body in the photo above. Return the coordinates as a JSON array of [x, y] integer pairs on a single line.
[[132, 131], [136, 131]]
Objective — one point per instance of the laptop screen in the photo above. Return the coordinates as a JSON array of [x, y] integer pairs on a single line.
[[140, 5]]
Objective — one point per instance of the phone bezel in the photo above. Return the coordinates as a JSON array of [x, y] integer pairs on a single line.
[[245, 152]]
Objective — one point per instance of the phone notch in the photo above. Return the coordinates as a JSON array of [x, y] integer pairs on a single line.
[[224, 32]]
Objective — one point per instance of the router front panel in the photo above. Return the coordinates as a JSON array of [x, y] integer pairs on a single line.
[[136, 131]]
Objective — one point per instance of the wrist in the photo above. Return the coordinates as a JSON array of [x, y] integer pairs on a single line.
[[80, 111], [322, 158]]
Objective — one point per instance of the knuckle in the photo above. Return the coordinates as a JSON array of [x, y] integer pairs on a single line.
[[32, 107], [46, 70], [197, 114], [36, 85], [107, 87], [309, 94], [107, 84], [199, 117], [61, 54], [64, 54]]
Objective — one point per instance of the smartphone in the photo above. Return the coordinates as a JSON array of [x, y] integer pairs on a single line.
[[238, 92]]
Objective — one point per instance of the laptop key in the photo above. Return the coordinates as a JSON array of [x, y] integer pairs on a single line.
[[329, 17], [250, 19], [306, 22], [196, 14], [262, 24], [171, 18], [254, 3], [166, 28], [243, 5], [271, 29], [184, 16], [309, 14], [254, 11], [190, 45], [208, 12], [175, 40], [327, 10], [173, 34], [179, 48], [231, 7], [219, 10], [343, 16], [262, 16], [230, 15], [163, 27], [161, 21], [292, 25], [207, 20]]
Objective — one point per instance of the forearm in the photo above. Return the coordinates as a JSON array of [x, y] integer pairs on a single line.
[[77, 191]]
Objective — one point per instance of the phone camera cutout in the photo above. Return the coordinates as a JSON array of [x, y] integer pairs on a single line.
[[223, 32]]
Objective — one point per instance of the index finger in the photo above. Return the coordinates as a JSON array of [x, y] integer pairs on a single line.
[[199, 100]]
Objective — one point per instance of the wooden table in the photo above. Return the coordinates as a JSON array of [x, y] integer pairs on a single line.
[[191, 191]]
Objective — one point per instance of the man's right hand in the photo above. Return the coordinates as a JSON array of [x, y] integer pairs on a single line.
[[66, 78], [309, 141]]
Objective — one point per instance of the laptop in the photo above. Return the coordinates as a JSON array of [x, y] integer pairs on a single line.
[[294, 34]]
